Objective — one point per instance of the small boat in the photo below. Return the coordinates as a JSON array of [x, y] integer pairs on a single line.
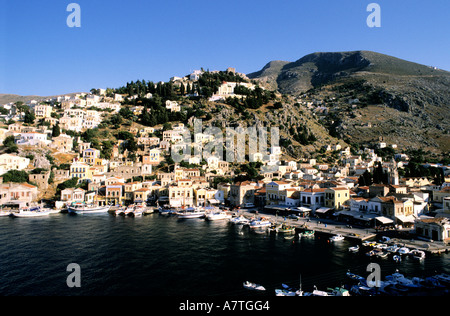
[[149, 210], [355, 277], [371, 253], [285, 229], [337, 237], [260, 223], [381, 254], [397, 258], [368, 243], [214, 216], [380, 246], [417, 254], [306, 233], [5, 213], [354, 248], [253, 286], [393, 248], [284, 292], [403, 251], [339, 291], [240, 220], [443, 278]]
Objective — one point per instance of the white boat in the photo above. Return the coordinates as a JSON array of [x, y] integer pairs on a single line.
[[284, 292], [129, 210], [31, 212], [417, 254], [393, 248], [81, 208], [5, 213], [191, 213], [119, 211], [354, 248], [260, 223], [253, 286], [403, 251], [214, 216], [397, 258], [239, 220], [337, 237], [138, 212]]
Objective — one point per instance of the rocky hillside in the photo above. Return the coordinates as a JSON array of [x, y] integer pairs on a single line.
[[364, 96]]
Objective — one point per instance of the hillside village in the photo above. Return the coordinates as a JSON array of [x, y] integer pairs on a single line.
[[113, 147]]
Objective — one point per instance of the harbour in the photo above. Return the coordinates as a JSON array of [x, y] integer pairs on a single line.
[[158, 255]]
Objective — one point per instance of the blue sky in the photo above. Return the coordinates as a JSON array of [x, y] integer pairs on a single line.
[[121, 41]]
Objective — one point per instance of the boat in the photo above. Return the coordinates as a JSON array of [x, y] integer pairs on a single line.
[[355, 277], [240, 220], [31, 212], [368, 243], [306, 233], [339, 291], [119, 211], [443, 278], [81, 208], [403, 251], [393, 249], [129, 210], [397, 258], [260, 223], [285, 229], [380, 246], [214, 216], [337, 237], [149, 210], [284, 292], [5, 213], [381, 253], [190, 212], [253, 286], [417, 254], [401, 282], [354, 248]]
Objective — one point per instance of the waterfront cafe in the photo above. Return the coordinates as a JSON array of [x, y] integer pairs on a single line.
[[363, 219], [323, 212]]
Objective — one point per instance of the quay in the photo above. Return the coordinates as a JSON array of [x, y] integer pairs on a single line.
[[358, 234], [324, 226]]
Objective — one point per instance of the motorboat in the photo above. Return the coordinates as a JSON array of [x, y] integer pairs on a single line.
[[82, 208], [400, 281], [190, 212], [239, 220], [253, 286], [260, 223], [149, 210], [284, 292], [354, 248], [214, 216], [368, 243], [337, 237], [393, 249], [381, 254], [355, 277], [417, 254], [31, 212], [5, 213], [380, 246], [404, 251], [397, 258]]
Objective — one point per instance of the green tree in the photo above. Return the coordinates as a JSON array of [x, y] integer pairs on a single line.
[[56, 130], [29, 117], [16, 176]]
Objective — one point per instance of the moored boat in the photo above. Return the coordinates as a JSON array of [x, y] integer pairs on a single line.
[[285, 229], [31, 212], [82, 208], [214, 216], [260, 223], [337, 237], [253, 286], [306, 233], [354, 248], [190, 212], [239, 220]]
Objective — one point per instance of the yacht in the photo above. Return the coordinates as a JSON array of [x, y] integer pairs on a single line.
[[191, 212], [31, 212], [217, 216], [239, 220], [260, 223]]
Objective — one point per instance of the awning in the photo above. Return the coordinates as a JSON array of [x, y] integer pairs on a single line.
[[384, 220], [214, 201], [323, 210], [405, 219]]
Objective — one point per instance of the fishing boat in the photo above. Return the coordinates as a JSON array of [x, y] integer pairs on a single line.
[[190, 212], [82, 208], [260, 223], [253, 286], [306, 233], [31, 212], [337, 237], [220, 215], [285, 229], [240, 220]]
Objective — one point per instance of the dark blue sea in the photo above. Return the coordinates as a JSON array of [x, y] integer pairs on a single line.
[[156, 255]]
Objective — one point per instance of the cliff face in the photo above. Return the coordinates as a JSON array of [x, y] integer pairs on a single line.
[[402, 101]]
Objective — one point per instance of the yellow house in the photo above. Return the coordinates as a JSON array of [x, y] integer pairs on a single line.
[[81, 171], [336, 197]]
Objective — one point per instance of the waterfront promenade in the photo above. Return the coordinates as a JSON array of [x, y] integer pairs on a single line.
[[359, 234]]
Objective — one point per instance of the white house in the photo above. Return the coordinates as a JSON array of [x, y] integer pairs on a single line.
[[12, 162], [33, 139]]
